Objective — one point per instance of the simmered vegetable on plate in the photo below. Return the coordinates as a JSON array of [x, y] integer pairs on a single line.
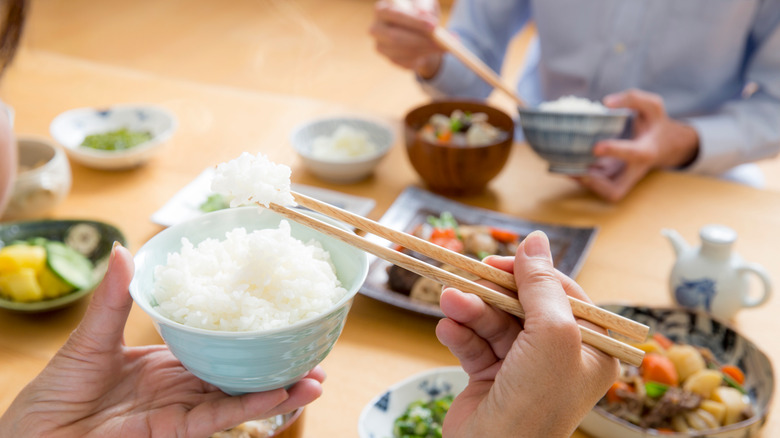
[[679, 388], [477, 241]]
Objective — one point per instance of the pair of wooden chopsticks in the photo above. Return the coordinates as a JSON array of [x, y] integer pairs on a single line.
[[581, 309], [450, 43]]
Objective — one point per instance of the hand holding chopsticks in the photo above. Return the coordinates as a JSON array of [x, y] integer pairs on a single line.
[[511, 305], [581, 309]]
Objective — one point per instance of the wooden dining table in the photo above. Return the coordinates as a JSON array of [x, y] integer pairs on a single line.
[[628, 262]]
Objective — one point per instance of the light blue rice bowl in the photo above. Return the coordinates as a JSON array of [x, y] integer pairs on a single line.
[[253, 361]]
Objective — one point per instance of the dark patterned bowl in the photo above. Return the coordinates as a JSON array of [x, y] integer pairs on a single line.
[[566, 140], [728, 346]]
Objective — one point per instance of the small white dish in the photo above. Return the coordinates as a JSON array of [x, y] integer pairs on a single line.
[[377, 418], [342, 170], [71, 127]]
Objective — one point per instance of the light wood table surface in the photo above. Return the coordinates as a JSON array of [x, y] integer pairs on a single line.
[[380, 345]]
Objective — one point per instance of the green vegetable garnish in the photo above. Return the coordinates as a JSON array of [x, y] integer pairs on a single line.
[[118, 140], [455, 125], [214, 202], [422, 420], [733, 383], [655, 389], [444, 221]]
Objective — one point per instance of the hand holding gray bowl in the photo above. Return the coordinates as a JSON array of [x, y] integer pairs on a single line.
[[564, 132]]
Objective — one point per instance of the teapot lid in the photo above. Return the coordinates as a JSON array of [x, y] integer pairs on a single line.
[[718, 234]]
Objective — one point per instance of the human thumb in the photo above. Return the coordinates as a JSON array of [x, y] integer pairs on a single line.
[[104, 321], [537, 282]]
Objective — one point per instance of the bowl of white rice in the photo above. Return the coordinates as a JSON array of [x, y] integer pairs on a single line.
[[342, 149], [563, 132], [247, 302]]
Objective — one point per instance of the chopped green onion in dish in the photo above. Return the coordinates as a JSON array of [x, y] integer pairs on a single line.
[[423, 419], [118, 140]]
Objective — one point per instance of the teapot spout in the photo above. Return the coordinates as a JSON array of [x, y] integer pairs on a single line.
[[678, 243]]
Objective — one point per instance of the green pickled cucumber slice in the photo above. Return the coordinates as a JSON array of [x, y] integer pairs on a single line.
[[72, 267]]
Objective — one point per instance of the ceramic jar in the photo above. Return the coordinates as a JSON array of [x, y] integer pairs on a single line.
[[712, 277]]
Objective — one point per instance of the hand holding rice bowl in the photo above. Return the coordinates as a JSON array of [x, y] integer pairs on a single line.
[[260, 359], [564, 132]]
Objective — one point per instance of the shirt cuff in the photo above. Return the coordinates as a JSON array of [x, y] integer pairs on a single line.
[[719, 140], [453, 80]]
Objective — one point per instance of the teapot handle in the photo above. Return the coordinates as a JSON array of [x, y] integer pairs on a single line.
[[759, 271]]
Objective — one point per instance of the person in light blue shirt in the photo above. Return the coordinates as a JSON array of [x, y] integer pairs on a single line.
[[702, 75]]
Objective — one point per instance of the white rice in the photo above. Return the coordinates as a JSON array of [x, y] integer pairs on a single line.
[[574, 104], [252, 179], [249, 281], [346, 143]]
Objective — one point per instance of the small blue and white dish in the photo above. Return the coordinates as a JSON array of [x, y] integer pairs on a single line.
[[699, 329], [72, 127], [377, 418], [566, 139]]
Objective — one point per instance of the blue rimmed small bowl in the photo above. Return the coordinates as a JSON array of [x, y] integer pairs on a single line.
[[566, 140], [248, 361], [379, 415], [72, 127]]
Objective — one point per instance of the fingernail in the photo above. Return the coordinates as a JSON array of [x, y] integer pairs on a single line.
[[536, 245], [116, 245]]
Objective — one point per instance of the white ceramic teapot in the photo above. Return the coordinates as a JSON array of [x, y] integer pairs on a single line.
[[711, 276]]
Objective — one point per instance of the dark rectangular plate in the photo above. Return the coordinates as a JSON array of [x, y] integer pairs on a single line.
[[569, 245]]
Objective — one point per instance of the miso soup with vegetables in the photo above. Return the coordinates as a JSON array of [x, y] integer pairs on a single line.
[[461, 129]]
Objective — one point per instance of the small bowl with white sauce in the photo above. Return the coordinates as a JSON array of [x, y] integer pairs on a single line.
[[342, 149], [563, 132]]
